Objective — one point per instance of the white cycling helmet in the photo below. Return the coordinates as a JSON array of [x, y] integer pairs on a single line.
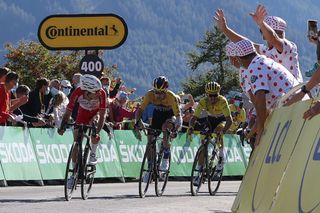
[[90, 83]]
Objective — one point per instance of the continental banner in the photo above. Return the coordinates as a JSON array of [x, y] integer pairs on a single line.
[[17, 156], [52, 151]]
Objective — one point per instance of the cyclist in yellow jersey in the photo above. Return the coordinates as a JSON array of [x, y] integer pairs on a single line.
[[166, 107], [238, 115], [219, 116]]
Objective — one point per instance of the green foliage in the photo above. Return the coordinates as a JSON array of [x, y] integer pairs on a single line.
[[31, 61], [211, 53]]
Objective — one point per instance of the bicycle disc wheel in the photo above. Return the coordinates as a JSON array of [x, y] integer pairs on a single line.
[[197, 173], [162, 176], [215, 176], [71, 173], [88, 174], [146, 172]]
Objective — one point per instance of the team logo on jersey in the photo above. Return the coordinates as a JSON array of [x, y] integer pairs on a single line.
[[253, 78]]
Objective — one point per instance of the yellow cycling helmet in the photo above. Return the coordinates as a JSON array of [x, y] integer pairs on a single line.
[[212, 87]]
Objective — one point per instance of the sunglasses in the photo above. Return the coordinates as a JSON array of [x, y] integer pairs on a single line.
[[213, 95]]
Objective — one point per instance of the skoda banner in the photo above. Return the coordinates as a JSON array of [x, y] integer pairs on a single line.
[[17, 156]]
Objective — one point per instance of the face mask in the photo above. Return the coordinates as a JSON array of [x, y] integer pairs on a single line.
[[47, 91], [66, 91], [54, 91], [14, 88]]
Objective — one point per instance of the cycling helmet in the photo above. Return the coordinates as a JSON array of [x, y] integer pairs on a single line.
[[90, 83], [160, 83], [212, 87]]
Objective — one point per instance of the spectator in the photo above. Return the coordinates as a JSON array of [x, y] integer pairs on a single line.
[[3, 72], [187, 115], [66, 87], [117, 110], [75, 85], [22, 91], [105, 81], [187, 102], [115, 89], [75, 81], [269, 81], [11, 80], [59, 104], [54, 87], [36, 104], [280, 49]]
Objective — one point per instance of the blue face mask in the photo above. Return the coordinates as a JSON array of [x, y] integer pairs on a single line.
[[237, 103], [66, 91], [54, 91]]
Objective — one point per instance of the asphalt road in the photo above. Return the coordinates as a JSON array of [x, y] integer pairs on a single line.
[[117, 197]]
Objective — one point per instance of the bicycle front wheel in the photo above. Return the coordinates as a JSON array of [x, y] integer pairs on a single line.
[[198, 171], [146, 171], [88, 174], [162, 176], [215, 175], [71, 175]]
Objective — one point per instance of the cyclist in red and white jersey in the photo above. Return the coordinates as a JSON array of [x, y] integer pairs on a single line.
[[92, 101]]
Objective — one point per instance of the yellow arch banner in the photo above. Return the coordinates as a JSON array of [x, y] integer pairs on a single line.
[[273, 175]]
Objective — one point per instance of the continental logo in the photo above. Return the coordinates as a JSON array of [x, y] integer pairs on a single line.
[[75, 32]]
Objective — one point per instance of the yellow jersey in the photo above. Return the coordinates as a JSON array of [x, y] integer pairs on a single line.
[[219, 109], [170, 102], [240, 118]]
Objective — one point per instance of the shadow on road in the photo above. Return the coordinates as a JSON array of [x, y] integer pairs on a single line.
[[32, 200]]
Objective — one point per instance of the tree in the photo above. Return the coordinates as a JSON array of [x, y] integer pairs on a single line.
[[212, 56], [31, 61]]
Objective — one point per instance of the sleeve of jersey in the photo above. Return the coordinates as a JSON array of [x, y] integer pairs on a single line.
[[103, 102], [226, 109], [259, 81], [200, 107], [287, 47], [73, 99], [176, 108], [243, 115]]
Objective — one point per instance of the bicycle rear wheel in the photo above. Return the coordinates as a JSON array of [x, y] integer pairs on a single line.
[[146, 171], [88, 173], [162, 176], [71, 174], [198, 172], [215, 176]]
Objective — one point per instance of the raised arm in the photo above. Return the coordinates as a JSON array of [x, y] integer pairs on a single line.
[[268, 33]]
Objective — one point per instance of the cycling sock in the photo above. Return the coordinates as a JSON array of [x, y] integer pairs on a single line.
[[166, 153], [94, 148]]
